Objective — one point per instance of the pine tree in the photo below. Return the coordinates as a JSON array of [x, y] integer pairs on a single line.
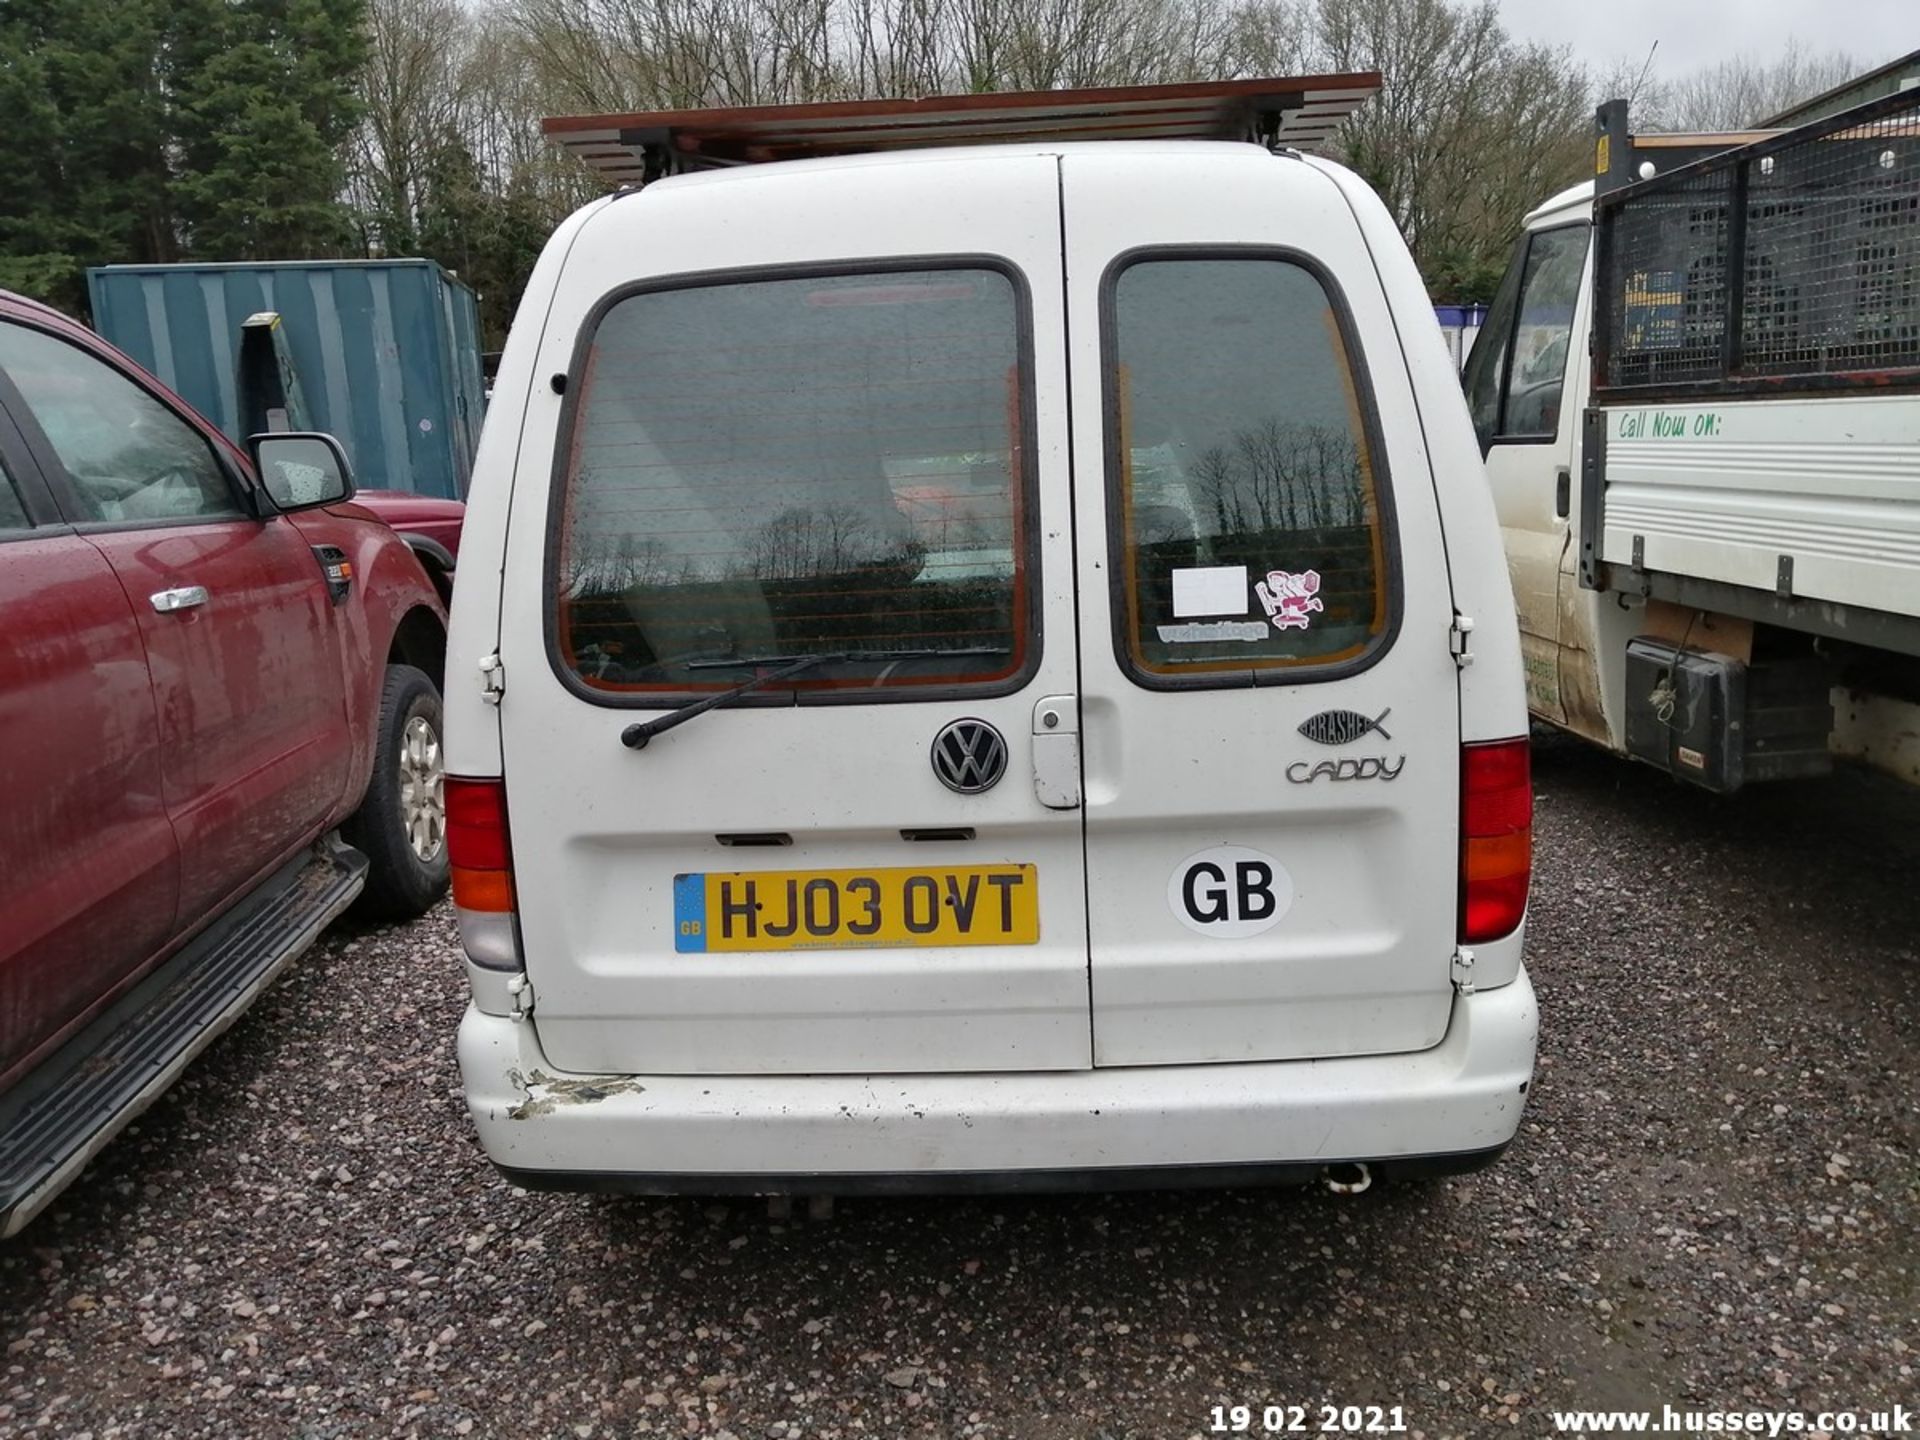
[[490, 238], [263, 100], [84, 167]]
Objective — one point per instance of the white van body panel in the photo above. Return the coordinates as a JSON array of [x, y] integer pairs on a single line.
[[1723, 491], [1352, 1030], [1573, 203], [473, 625], [1572, 640], [615, 826], [1492, 697], [1542, 554], [821, 1133], [1358, 967], [1493, 701]]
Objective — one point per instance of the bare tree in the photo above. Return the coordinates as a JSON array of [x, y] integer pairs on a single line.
[[412, 90], [1744, 91], [1526, 135], [1469, 128], [679, 54], [897, 47], [505, 93], [1282, 475], [1274, 37], [804, 542]]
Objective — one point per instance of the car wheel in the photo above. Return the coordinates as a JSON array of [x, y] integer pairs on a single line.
[[442, 581], [401, 825]]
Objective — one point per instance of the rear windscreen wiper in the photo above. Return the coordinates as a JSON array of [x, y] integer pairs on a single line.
[[636, 736]]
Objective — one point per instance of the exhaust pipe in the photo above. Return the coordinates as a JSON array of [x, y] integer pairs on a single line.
[[1348, 1179]]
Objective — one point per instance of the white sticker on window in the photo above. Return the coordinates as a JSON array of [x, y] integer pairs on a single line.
[[1217, 630], [1210, 590]]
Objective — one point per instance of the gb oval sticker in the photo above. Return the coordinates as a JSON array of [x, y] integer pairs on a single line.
[[1229, 892]]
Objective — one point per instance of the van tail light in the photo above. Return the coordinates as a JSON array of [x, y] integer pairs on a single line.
[[1496, 838], [482, 861]]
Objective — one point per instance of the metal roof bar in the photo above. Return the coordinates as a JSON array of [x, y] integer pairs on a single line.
[[1298, 111]]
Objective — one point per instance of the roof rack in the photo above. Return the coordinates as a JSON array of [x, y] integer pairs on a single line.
[[1301, 112]]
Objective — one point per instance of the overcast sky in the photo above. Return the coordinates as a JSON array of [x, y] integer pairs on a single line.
[[1694, 33]]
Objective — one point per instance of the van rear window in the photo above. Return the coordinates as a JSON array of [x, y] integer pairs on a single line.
[[1245, 497], [766, 469]]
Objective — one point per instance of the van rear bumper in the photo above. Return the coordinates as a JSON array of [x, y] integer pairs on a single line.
[[1450, 1108]]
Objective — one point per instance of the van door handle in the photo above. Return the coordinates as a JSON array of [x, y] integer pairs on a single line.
[[181, 597], [1562, 492], [1056, 752]]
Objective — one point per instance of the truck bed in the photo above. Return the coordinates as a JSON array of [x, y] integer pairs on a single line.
[[1803, 498], [1753, 441]]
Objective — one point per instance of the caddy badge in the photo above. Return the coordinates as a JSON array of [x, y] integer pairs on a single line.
[[1346, 768]]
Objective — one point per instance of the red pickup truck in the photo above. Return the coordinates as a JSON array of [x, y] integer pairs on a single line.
[[429, 525], [219, 727]]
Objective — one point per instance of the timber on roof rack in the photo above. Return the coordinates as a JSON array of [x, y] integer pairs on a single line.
[[1300, 111]]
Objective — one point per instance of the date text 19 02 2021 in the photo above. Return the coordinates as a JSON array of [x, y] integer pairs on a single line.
[[856, 909], [1308, 1420]]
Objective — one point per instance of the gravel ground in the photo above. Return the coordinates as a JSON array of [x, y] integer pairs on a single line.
[[1711, 1204]]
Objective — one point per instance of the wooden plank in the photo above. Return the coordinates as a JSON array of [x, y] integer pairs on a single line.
[[1221, 92]]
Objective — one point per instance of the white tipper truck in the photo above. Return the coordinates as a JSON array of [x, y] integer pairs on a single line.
[[1698, 394]]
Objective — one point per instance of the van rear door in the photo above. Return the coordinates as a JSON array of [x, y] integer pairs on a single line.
[[782, 459], [1270, 704]]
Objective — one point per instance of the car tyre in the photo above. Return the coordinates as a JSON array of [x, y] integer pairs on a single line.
[[401, 825], [437, 573]]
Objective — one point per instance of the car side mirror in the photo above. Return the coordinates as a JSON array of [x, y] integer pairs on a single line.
[[302, 469]]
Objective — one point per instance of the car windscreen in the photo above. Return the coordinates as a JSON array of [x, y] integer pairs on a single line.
[[765, 468]]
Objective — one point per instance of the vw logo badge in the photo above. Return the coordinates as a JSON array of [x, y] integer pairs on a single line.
[[969, 756]]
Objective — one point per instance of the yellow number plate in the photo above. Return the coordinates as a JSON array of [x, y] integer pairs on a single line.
[[853, 909]]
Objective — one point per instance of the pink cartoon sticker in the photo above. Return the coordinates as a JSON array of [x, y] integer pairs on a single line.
[[1289, 599]]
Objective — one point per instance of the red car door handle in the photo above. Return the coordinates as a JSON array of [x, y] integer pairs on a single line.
[[183, 597]]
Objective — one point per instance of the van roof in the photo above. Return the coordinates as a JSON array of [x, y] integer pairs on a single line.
[[634, 147], [1574, 197], [1189, 152], [745, 194]]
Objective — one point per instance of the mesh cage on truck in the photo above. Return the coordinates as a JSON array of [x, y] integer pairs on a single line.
[[1790, 264]]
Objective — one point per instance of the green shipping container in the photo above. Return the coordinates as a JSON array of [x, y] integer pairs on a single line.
[[387, 353]]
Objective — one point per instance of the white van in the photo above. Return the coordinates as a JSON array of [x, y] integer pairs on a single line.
[[988, 667]]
